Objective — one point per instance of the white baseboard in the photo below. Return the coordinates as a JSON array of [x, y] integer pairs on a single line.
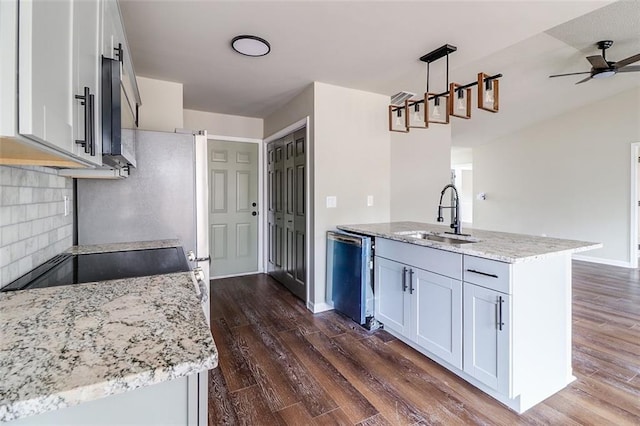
[[602, 261], [242, 274], [319, 307]]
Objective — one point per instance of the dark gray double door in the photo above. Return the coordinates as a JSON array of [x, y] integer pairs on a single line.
[[286, 197]]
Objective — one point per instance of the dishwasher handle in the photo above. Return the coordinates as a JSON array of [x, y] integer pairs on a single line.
[[355, 241]]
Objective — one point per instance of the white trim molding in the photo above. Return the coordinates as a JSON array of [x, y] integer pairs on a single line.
[[635, 200], [242, 274], [603, 261], [318, 307], [289, 129]]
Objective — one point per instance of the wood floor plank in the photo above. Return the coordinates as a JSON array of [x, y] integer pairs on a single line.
[[259, 321], [307, 389], [294, 415], [379, 394], [221, 411], [437, 405], [230, 359], [377, 420], [276, 389], [335, 417], [355, 406], [251, 408], [467, 394]]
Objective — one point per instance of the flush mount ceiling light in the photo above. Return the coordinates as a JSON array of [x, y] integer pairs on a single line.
[[249, 45]]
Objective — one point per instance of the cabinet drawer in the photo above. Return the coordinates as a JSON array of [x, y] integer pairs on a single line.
[[488, 273], [427, 258]]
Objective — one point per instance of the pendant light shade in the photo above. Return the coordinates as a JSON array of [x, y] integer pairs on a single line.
[[460, 104], [416, 113], [488, 93], [397, 119], [438, 108]]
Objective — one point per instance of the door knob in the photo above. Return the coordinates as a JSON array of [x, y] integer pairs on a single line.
[[254, 213], [253, 204]]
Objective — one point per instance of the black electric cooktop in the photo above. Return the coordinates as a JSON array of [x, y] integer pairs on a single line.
[[66, 269]]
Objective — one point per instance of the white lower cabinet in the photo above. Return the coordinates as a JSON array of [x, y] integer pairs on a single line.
[[480, 318], [392, 305], [437, 315], [487, 328], [423, 307]]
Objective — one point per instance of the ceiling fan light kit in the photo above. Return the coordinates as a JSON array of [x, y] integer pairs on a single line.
[[438, 107], [601, 68]]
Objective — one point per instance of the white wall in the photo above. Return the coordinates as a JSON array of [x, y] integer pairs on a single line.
[[568, 177], [161, 108], [349, 146], [420, 168], [223, 124], [352, 161]]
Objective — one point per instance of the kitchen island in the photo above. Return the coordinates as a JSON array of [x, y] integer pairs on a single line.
[[492, 307], [63, 346]]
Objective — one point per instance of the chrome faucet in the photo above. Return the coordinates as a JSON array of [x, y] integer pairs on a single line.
[[455, 219]]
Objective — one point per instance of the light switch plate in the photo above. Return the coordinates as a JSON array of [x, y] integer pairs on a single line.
[[369, 200], [332, 202]]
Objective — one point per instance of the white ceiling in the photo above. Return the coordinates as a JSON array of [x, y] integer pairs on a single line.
[[375, 46]]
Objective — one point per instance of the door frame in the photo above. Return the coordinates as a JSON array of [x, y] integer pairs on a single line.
[[634, 252], [261, 264], [308, 189]]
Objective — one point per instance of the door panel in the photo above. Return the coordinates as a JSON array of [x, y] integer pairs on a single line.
[[486, 355], [390, 294], [233, 200], [438, 314], [286, 169]]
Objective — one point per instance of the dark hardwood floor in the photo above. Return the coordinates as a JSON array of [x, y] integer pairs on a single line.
[[280, 364]]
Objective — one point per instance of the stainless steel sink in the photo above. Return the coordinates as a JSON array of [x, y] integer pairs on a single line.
[[440, 238]]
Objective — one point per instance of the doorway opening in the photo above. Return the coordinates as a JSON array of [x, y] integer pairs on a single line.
[[235, 231]]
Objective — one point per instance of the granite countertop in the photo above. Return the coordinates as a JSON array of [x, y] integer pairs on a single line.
[[60, 346], [111, 247], [501, 246]]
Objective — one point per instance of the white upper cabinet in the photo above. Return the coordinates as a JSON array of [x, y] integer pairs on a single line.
[[44, 64], [86, 81]]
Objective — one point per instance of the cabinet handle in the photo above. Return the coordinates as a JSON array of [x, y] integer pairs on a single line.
[[404, 279], [500, 322], [410, 281], [482, 273], [92, 133], [85, 99]]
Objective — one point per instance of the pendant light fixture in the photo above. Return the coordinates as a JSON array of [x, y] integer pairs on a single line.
[[438, 107]]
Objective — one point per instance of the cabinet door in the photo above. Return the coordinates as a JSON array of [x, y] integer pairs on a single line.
[[392, 303], [487, 336], [45, 60], [86, 18], [437, 313]]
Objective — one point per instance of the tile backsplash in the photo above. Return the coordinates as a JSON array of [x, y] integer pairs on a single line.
[[33, 227]]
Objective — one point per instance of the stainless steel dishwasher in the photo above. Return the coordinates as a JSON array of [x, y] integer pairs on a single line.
[[350, 276]]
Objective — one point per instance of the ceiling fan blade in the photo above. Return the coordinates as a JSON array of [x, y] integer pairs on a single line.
[[584, 80], [597, 62], [625, 62], [632, 68], [571, 73]]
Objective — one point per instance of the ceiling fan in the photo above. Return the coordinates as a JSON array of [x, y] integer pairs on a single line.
[[601, 68]]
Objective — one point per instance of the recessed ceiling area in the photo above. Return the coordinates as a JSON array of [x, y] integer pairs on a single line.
[[375, 46]]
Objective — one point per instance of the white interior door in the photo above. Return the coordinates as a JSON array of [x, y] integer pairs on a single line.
[[233, 207]]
